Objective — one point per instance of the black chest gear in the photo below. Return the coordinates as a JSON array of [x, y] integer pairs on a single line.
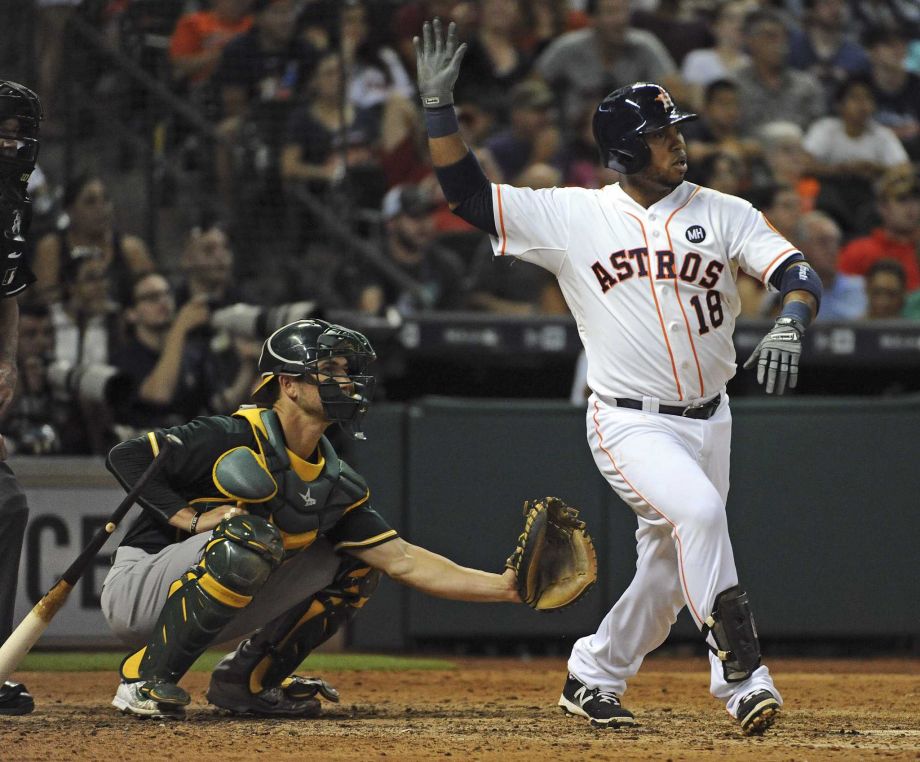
[[302, 510]]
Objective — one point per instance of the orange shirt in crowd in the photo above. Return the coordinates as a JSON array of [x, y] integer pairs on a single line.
[[861, 253], [201, 31]]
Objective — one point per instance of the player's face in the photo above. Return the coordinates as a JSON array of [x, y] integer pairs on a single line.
[[668, 163], [9, 130]]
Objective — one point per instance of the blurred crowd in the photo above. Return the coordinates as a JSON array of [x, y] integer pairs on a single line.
[[317, 173]]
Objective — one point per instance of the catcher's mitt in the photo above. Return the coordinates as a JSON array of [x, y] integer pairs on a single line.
[[554, 559]]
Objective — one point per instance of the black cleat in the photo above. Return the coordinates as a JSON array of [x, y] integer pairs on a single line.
[[757, 712], [15, 699], [601, 708]]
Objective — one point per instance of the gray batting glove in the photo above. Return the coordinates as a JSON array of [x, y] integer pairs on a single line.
[[777, 355], [437, 63]]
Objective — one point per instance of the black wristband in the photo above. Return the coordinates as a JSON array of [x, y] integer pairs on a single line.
[[194, 523], [441, 121]]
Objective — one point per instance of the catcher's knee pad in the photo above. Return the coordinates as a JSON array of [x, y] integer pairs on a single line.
[[234, 565], [278, 648], [732, 627]]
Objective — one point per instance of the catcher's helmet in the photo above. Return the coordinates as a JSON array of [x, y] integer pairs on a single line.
[[624, 116], [300, 349], [19, 141]]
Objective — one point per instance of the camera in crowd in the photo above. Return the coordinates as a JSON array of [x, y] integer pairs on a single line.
[[254, 322], [89, 383]]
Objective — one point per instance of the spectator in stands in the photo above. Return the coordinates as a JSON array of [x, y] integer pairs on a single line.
[[531, 136], [495, 61], [898, 237], [410, 245], [676, 24], [547, 19], [375, 70], [853, 143], [200, 36], [886, 290], [579, 159], [894, 14], [896, 90], [585, 65], [724, 171], [259, 78], [819, 238], [785, 162], [207, 265], [170, 363], [90, 225], [770, 89], [33, 424], [704, 66], [312, 149], [824, 47], [718, 130], [87, 332]]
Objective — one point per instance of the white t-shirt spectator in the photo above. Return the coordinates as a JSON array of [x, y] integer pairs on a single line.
[[705, 65], [829, 143]]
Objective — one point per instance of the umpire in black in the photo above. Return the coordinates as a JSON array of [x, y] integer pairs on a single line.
[[20, 114]]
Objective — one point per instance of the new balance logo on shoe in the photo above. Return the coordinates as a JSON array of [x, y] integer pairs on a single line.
[[600, 707]]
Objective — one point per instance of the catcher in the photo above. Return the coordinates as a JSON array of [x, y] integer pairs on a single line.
[[259, 532]]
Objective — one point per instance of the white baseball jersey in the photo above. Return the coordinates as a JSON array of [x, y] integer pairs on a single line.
[[652, 290]]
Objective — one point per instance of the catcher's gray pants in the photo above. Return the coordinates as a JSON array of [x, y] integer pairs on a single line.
[[135, 589]]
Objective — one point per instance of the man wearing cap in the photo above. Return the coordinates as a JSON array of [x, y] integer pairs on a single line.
[[531, 136], [410, 244], [898, 237], [257, 528]]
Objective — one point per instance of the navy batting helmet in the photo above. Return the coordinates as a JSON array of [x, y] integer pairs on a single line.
[[624, 116], [300, 349]]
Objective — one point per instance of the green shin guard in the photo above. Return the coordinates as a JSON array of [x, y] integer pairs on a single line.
[[269, 657], [235, 564]]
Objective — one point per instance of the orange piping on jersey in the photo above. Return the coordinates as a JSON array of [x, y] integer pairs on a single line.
[[770, 224], [696, 359], [763, 275], [501, 219], [680, 545], [651, 281]]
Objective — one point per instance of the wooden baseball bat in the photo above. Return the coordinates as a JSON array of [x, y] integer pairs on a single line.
[[20, 642]]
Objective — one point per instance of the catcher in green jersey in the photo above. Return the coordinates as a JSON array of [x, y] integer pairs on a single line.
[[256, 530]]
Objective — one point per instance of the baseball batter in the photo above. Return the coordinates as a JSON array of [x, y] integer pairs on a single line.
[[257, 528], [647, 267]]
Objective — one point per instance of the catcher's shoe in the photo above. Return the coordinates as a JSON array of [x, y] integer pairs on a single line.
[[156, 699], [236, 698], [601, 708], [15, 699], [757, 712]]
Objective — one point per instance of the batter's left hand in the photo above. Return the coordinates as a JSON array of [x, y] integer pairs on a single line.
[[777, 356]]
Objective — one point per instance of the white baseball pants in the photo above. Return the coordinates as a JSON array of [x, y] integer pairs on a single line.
[[673, 472]]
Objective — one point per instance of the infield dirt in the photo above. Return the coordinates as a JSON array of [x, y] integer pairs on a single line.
[[491, 709]]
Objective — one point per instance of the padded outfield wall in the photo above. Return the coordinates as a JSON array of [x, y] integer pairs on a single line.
[[823, 512]]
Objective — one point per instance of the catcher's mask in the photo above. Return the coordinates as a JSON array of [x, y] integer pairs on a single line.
[[20, 113], [311, 349]]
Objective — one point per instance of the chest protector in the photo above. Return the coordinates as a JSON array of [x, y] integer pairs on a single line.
[[302, 510]]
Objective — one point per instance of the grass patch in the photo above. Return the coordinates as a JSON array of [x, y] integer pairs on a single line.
[[109, 661]]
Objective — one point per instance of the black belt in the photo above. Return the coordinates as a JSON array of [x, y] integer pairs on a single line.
[[704, 411]]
